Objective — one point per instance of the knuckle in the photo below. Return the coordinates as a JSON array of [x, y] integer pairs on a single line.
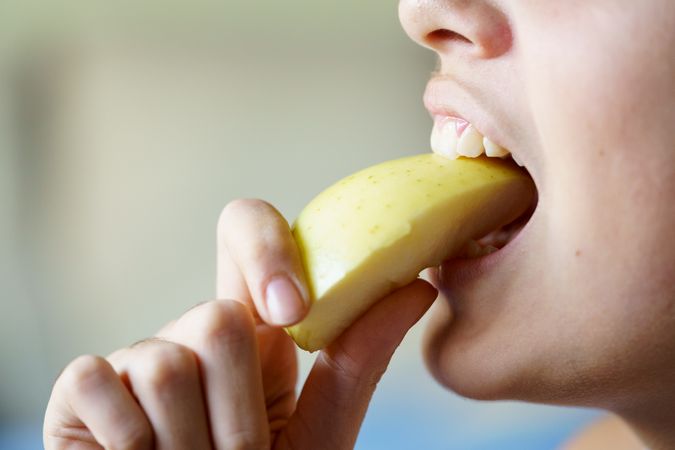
[[368, 372], [228, 320], [163, 364], [82, 376], [343, 365], [85, 373]]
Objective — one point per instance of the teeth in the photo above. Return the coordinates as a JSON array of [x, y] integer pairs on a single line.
[[473, 249], [470, 143], [489, 249], [517, 160], [444, 138], [494, 150]]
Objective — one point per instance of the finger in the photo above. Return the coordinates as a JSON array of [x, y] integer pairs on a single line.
[[165, 329], [90, 394], [257, 254], [222, 335], [345, 374], [165, 380]]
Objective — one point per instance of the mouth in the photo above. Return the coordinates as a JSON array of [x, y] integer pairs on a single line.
[[497, 239], [472, 134], [454, 137]]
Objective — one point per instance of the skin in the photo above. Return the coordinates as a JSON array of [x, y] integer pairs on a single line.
[[582, 313], [223, 375]]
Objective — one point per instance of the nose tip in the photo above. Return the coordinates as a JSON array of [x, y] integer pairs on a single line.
[[474, 27]]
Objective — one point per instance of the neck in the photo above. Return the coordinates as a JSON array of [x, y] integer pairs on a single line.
[[654, 422]]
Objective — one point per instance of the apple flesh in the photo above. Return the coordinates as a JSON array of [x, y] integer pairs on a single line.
[[375, 230]]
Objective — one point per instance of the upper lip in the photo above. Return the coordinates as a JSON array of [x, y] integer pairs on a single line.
[[436, 103], [444, 97]]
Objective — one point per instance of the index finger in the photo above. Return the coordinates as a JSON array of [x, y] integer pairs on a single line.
[[259, 262]]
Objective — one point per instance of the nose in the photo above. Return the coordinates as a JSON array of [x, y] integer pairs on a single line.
[[475, 29]]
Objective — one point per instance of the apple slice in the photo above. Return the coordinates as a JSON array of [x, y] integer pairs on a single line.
[[375, 230]]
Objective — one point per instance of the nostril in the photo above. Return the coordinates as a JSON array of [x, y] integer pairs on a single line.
[[443, 36]]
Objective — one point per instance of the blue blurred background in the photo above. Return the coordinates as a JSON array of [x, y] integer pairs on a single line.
[[126, 126]]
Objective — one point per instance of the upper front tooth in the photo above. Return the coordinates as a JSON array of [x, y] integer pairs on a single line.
[[470, 143], [515, 158], [444, 138], [492, 149]]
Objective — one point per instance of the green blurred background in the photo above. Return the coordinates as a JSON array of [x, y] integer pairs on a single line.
[[126, 126]]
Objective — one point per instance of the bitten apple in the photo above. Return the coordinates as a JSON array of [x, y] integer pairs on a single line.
[[377, 229]]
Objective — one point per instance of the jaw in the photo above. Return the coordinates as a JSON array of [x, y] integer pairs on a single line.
[[477, 339]]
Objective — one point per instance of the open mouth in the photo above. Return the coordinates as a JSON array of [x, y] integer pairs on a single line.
[[499, 238], [453, 137]]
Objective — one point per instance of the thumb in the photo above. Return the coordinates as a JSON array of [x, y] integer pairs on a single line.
[[335, 397]]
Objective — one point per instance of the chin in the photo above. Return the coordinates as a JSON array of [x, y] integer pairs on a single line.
[[500, 363], [459, 365], [482, 363]]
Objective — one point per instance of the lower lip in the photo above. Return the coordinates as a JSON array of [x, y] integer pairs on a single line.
[[467, 270]]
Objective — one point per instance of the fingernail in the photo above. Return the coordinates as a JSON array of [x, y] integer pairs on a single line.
[[284, 304]]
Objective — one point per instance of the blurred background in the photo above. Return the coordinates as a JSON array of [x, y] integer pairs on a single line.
[[126, 126]]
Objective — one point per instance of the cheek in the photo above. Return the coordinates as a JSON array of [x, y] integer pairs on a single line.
[[601, 90], [601, 95]]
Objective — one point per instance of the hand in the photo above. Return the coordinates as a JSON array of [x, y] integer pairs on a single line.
[[223, 375]]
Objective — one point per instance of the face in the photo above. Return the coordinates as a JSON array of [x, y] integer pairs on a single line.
[[580, 307]]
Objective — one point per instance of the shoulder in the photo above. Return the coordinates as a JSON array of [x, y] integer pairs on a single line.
[[609, 432]]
